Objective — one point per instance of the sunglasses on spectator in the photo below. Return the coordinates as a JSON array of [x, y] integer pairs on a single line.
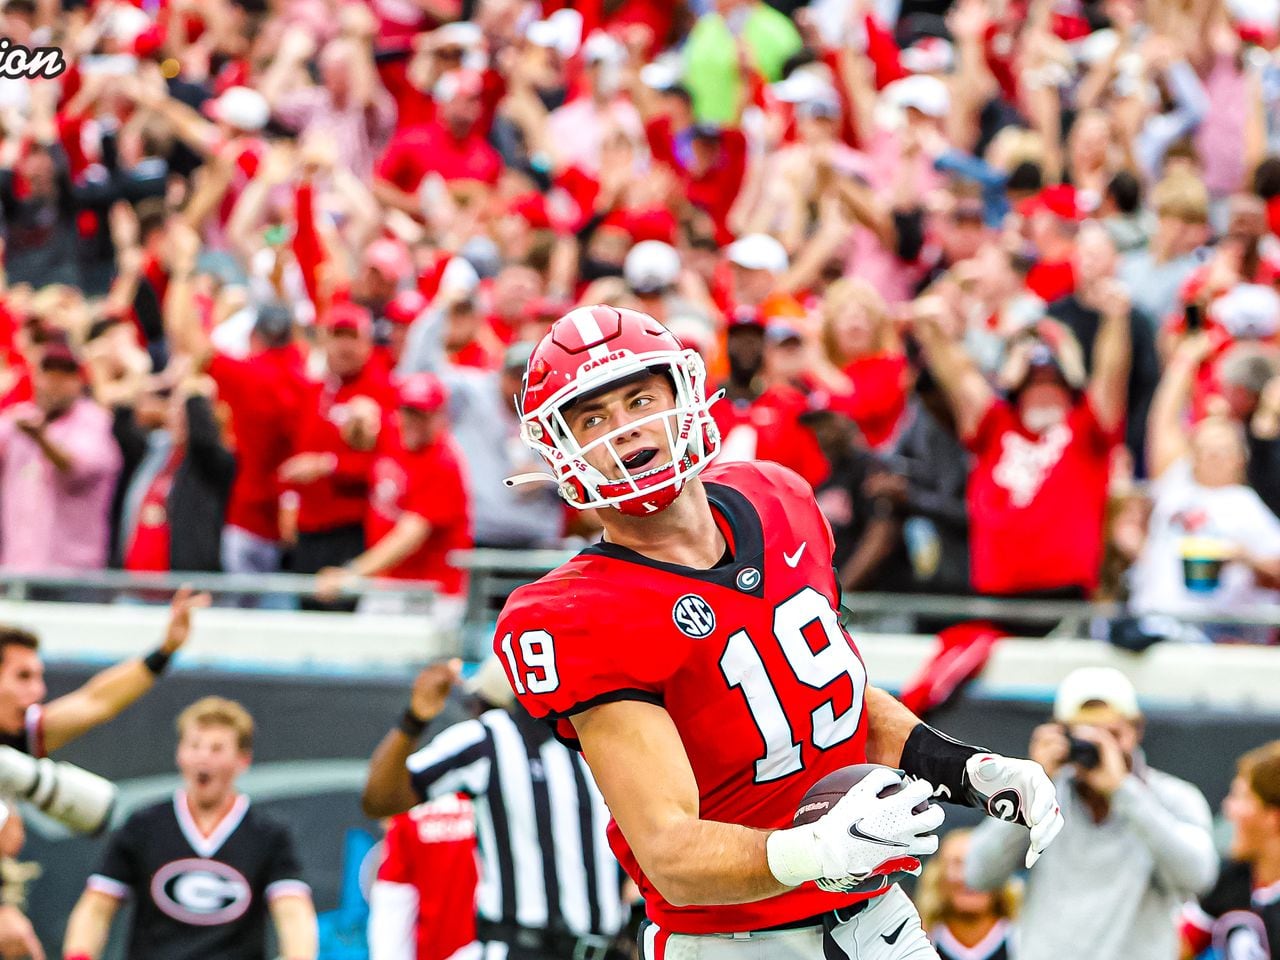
[[450, 53]]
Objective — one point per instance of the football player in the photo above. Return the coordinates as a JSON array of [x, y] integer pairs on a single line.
[[203, 869], [696, 657]]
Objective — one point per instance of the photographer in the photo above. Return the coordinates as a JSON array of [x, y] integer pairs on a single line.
[[1146, 832]]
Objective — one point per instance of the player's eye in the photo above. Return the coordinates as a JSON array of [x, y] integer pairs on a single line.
[[592, 421]]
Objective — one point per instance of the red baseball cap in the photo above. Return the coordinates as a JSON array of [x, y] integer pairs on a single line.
[[345, 315], [424, 392], [405, 307], [1059, 200], [390, 258]]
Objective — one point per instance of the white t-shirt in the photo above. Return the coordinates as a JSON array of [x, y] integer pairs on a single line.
[[1184, 508]]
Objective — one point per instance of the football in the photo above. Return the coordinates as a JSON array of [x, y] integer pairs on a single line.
[[823, 795]]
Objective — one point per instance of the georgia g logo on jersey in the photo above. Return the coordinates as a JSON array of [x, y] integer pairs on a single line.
[[203, 893]]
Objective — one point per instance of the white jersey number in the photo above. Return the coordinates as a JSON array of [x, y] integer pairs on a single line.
[[538, 654], [743, 668]]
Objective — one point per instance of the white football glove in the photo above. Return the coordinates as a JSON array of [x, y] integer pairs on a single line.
[[1018, 791], [862, 835]]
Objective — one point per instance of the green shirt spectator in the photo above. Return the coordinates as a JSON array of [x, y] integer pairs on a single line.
[[711, 66]]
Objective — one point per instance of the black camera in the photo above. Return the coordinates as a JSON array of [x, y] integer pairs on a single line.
[[1082, 753]]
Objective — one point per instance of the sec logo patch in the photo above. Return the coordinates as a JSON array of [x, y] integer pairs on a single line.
[[204, 893], [693, 616]]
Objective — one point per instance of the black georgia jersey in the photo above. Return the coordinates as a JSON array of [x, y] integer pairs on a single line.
[[198, 897]]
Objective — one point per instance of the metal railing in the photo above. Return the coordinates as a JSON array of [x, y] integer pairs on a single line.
[[23, 586], [493, 574]]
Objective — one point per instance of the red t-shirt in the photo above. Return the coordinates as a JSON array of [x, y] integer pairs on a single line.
[[715, 190], [429, 482], [724, 652], [1051, 280], [148, 547], [339, 499], [267, 394], [769, 428], [416, 151], [879, 396], [1037, 503], [432, 848]]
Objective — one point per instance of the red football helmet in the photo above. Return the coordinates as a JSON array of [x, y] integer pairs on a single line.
[[589, 350]]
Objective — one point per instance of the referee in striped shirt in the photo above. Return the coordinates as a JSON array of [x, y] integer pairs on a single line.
[[550, 888]]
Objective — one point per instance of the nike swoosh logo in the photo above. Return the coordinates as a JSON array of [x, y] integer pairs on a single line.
[[892, 938], [794, 558], [855, 830]]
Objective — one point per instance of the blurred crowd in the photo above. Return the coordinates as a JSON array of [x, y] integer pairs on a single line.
[[997, 277]]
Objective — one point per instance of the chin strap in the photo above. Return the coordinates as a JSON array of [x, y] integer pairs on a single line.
[[520, 478]]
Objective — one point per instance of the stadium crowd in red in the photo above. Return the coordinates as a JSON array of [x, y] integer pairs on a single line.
[[994, 277]]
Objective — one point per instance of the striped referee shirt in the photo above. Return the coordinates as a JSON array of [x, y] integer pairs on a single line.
[[540, 823]]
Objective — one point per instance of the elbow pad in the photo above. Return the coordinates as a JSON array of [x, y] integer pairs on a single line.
[[76, 798]]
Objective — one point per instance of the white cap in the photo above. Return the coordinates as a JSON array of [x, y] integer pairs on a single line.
[[806, 84], [243, 108], [459, 33], [922, 92], [459, 276], [928, 55], [650, 266], [600, 47], [490, 684], [759, 251], [562, 32], [662, 74], [1105, 685], [1249, 311]]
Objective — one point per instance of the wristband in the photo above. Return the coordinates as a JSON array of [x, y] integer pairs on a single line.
[[793, 856], [411, 725], [934, 757], [156, 661]]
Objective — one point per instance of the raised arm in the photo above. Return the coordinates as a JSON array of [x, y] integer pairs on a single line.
[[1112, 356], [388, 789], [108, 693], [967, 390], [1167, 440]]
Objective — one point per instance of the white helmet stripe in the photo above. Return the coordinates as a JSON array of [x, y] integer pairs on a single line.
[[585, 322]]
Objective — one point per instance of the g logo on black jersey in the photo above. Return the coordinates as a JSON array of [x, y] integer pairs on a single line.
[[694, 616], [203, 893]]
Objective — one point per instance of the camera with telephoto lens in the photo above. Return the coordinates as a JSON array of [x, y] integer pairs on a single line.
[[76, 798], [1082, 753]]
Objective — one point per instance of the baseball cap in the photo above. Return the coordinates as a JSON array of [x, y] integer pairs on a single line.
[[405, 307], [459, 33], [920, 92], [390, 258], [782, 330], [928, 55], [517, 355], [1060, 200], [758, 251], [345, 315], [1106, 686], [274, 325], [1249, 311], [424, 392], [240, 107], [745, 316], [651, 266], [602, 48]]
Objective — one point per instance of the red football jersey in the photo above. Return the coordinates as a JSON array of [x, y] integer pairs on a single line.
[[748, 658], [432, 848]]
